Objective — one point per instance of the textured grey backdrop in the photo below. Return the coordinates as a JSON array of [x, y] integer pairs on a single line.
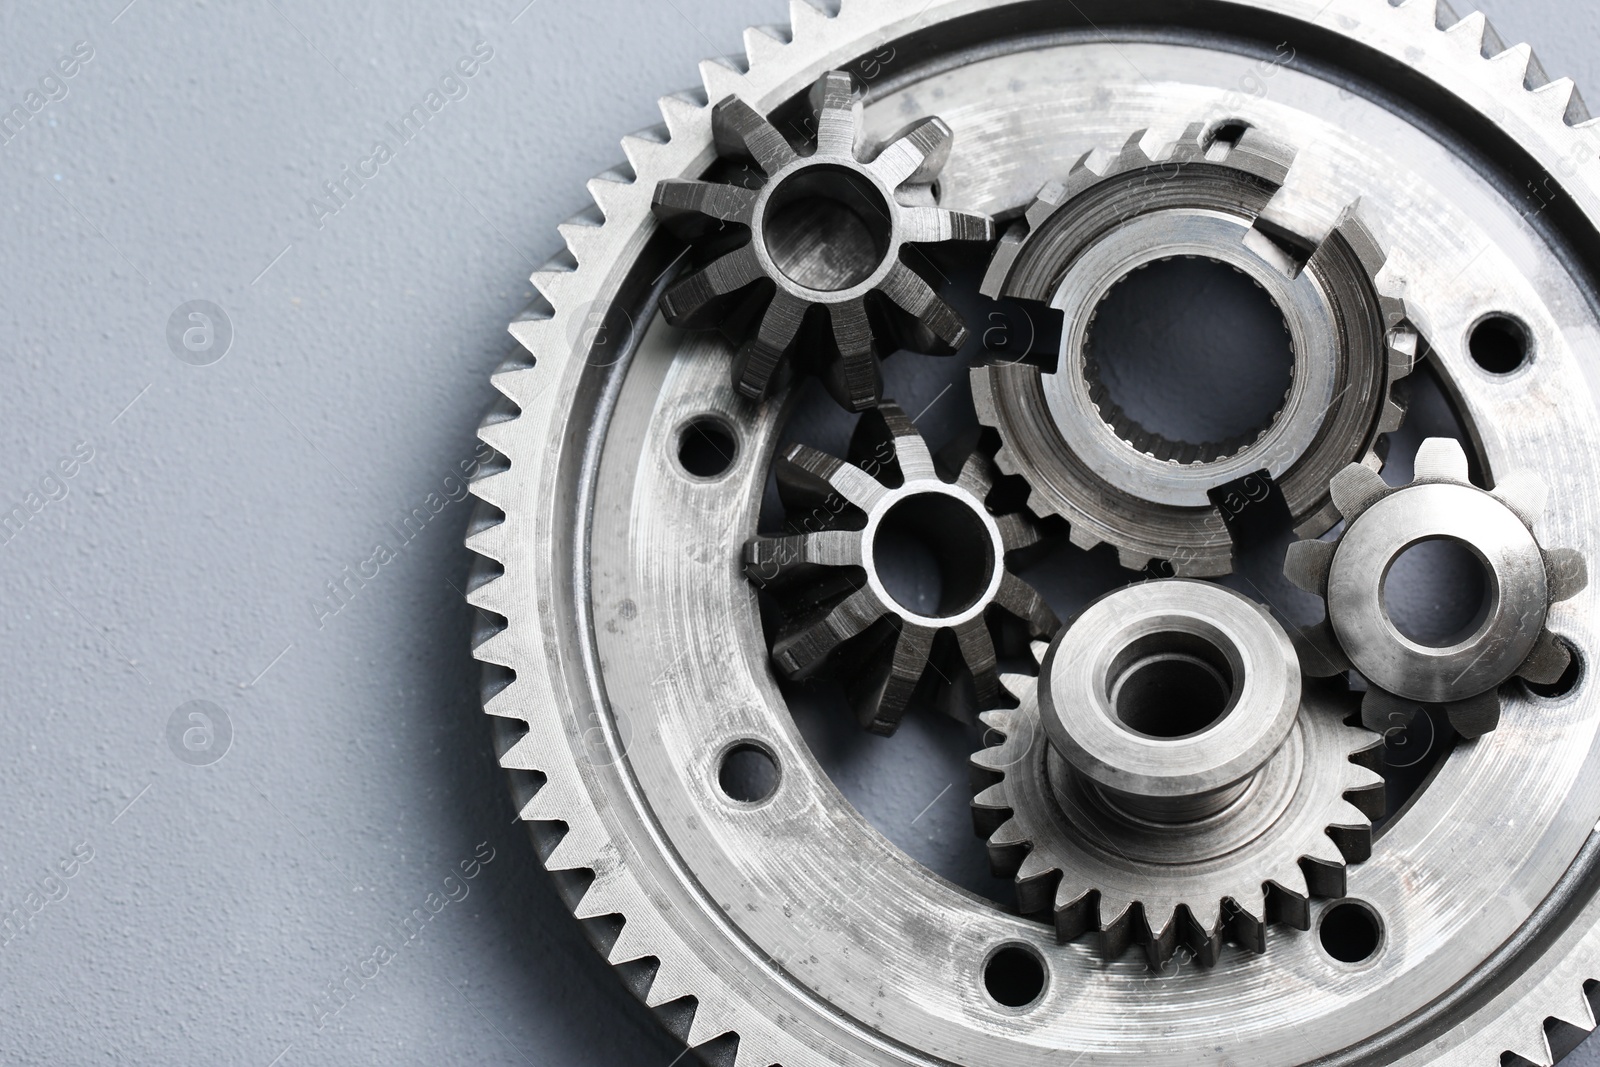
[[165, 905]]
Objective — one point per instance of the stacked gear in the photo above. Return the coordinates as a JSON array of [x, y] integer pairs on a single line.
[[1191, 776]]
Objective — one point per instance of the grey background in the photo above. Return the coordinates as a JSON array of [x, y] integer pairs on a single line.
[[187, 559]]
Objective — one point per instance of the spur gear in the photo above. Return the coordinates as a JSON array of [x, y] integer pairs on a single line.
[[824, 246], [1216, 193], [626, 663], [1166, 782], [1463, 674], [841, 606]]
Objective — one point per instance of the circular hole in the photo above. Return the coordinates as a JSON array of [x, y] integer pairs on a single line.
[[1191, 351], [1499, 344], [1567, 682], [749, 773], [1171, 685], [1014, 976], [1350, 931], [933, 555], [706, 448], [1438, 592], [826, 228]]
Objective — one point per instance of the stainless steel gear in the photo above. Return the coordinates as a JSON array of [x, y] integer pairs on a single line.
[[625, 657], [1166, 781], [824, 257], [1218, 193], [1462, 673], [841, 608]]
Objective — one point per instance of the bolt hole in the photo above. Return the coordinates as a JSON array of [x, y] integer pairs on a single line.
[[1014, 976], [1171, 685], [826, 228], [1567, 682], [706, 447], [1499, 344], [934, 555], [1438, 592], [1350, 931], [749, 773]]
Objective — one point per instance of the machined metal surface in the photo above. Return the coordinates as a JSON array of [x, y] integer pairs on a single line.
[[1461, 671], [1165, 781], [628, 656], [820, 236], [1208, 195]]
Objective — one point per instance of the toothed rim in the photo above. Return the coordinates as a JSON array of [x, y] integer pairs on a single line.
[[1508, 91]]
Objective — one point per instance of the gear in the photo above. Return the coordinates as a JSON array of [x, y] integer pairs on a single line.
[[818, 263], [625, 661], [1462, 674], [1174, 822], [1215, 194], [831, 572]]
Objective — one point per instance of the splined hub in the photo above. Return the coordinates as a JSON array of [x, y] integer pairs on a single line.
[[1213, 195], [1241, 823]]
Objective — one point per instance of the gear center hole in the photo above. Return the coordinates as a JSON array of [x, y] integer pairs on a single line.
[[826, 228], [1171, 685], [1438, 592], [1189, 351], [933, 555]]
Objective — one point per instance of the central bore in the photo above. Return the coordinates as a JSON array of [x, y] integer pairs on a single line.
[[1171, 685], [933, 555], [1192, 351], [1438, 592], [826, 228]]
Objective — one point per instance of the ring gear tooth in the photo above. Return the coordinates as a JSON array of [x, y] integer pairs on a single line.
[[838, 611], [1381, 522], [1072, 862], [843, 310], [1094, 478]]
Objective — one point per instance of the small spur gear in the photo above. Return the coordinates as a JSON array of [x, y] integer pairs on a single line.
[[1167, 781], [840, 603], [816, 255], [1464, 675]]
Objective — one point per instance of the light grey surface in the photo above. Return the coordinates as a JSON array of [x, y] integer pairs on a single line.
[[189, 558]]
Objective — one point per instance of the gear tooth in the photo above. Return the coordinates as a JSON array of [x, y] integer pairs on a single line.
[[1073, 909], [605, 896], [1529, 1043], [995, 759], [1390, 420], [684, 111], [1474, 716], [806, 18], [1355, 489], [1035, 865], [674, 981], [491, 543], [762, 44], [1324, 869], [1525, 493], [642, 146], [1133, 559], [712, 1020], [1566, 573], [1010, 834], [1287, 894], [1561, 100], [1427, 14], [1306, 564], [721, 76], [1519, 66], [496, 489], [1078, 533], [1475, 35]]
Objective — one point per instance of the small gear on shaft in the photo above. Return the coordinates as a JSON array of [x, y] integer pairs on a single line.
[[1462, 675], [1167, 781], [817, 253], [834, 575]]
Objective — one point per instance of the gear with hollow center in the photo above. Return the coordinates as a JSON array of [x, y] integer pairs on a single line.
[[1463, 673], [1166, 781], [825, 246], [1225, 193], [792, 918], [830, 572]]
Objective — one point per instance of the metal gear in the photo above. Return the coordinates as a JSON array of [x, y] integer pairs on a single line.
[[817, 237], [839, 604], [1464, 672], [1166, 781], [1218, 193], [621, 637]]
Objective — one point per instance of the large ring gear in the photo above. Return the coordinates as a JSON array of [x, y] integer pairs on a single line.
[[1193, 784]]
